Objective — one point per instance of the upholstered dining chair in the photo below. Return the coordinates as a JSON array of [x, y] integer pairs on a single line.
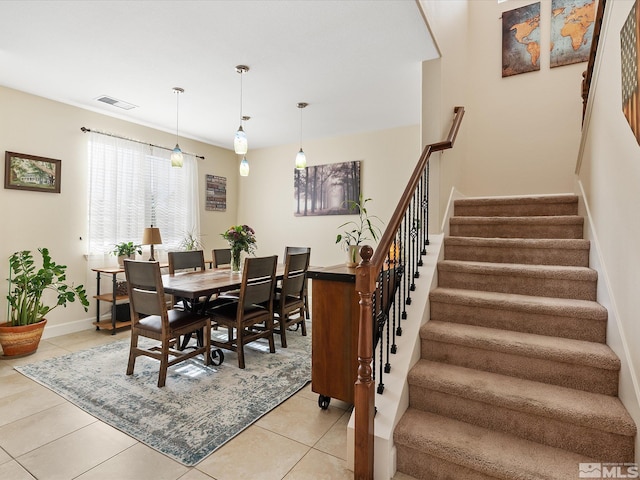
[[151, 318], [289, 301], [251, 317], [288, 250], [221, 256]]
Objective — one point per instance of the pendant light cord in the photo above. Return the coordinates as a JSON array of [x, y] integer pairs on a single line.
[[177, 112], [241, 73]]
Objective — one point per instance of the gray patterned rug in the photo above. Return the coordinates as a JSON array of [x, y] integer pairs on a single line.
[[198, 410]]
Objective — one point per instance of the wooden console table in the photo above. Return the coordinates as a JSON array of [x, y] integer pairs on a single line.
[[334, 342], [111, 297]]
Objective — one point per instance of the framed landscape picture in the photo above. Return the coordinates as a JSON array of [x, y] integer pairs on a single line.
[[326, 189], [28, 172]]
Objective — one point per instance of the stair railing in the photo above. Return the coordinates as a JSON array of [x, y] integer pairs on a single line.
[[595, 40], [384, 281]]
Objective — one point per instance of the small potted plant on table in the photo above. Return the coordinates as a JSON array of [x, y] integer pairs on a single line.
[[124, 250], [358, 231], [28, 286]]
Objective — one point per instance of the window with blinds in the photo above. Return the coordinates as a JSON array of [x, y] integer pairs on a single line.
[[133, 186]]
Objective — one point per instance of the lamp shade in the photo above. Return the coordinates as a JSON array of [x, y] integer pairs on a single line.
[[301, 160], [151, 236], [176, 157], [244, 167], [240, 143]]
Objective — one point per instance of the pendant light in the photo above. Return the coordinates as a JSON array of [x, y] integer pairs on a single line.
[[301, 158], [176, 155], [244, 167], [240, 144]]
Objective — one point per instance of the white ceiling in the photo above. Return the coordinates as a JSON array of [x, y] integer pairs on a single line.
[[356, 62]]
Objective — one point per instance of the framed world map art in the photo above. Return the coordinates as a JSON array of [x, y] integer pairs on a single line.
[[629, 36], [571, 31], [521, 40]]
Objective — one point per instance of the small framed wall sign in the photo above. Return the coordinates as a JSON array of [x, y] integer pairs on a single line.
[[28, 172], [216, 193]]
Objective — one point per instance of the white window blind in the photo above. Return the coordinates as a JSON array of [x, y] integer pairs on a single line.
[[133, 186]]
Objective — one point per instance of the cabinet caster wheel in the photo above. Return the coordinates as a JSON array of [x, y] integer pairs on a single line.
[[323, 401], [217, 357]]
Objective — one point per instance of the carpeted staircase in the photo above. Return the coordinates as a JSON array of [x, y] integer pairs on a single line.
[[515, 379]]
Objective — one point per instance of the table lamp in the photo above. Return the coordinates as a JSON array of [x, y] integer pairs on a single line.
[[151, 236]]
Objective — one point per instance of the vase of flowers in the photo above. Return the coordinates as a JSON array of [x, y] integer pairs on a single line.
[[241, 238]]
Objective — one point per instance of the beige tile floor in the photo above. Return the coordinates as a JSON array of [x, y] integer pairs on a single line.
[[45, 437]]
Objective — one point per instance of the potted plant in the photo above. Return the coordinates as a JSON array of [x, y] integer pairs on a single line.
[[358, 231], [124, 250], [191, 241], [28, 287]]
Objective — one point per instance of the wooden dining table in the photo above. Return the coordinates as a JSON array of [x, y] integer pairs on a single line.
[[204, 283]]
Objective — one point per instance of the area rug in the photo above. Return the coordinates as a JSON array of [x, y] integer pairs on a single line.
[[198, 410]]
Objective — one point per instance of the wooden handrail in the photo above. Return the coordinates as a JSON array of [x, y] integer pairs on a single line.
[[366, 275], [386, 240], [595, 40]]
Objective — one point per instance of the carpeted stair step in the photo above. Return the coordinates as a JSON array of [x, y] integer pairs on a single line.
[[517, 206], [532, 251], [539, 280], [560, 317], [588, 366], [432, 447], [586, 423], [569, 226]]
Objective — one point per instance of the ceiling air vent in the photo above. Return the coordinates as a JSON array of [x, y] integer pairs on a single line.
[[115, 102]]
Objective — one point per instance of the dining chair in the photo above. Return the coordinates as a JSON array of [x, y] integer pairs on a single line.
[[221, 256], [150, 318], [251, 317], [289, 301], [288, 250], [192, 260]]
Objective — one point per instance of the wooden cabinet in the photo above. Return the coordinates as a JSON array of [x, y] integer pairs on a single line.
[[335, 313]]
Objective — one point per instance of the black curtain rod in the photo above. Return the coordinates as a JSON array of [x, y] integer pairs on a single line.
[[85, 130]]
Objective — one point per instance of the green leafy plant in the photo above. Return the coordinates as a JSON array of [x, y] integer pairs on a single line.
[[126, 249], [191, 241], [28, 285], [358, 231]]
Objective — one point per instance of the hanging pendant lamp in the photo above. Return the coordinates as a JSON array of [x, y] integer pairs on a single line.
[[301, 158], [240, 143], [177, 159], [244, 167]]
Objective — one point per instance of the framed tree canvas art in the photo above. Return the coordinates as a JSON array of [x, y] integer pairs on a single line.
[[29, 172], [326, 189]]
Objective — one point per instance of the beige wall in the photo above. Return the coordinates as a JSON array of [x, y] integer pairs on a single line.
[[36, 126], [520, 134], [444, 86], [609, 176], [524, 130], [267, 199]]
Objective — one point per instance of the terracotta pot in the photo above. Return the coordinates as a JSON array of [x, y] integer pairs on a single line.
[[21, 340]]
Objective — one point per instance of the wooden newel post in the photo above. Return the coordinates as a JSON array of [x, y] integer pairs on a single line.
[[365, 385]]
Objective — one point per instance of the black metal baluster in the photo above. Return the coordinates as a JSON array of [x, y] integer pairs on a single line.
[[407, 256], [421, 220], [426, 207], [414, 247]]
